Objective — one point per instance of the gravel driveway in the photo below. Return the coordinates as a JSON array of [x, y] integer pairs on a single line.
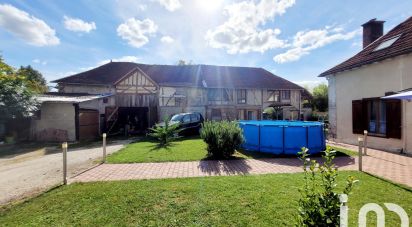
[[31, 173]]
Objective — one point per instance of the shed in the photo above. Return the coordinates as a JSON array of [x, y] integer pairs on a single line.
[[68, 117]]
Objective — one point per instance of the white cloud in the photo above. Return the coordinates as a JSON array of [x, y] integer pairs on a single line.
[[167, 39], [243, 32], [78, 25], [305, 41], [38, 61], [136, 31], [170, 5], [142, 7], [28, 28]]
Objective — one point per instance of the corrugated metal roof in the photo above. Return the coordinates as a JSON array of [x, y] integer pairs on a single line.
[[67, 98]]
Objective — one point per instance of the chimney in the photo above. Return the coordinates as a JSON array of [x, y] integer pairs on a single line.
[[372, 30]]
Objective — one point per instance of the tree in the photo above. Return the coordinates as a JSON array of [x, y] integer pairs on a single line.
[[35, 79], [320, 97], [274, 113], [16, 96], [183, 62]]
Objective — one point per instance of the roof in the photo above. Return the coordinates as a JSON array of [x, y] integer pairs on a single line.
[[369, 55], [184, 75], [54, 97]]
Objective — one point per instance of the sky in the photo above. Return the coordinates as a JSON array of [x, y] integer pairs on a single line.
[[294, 39]]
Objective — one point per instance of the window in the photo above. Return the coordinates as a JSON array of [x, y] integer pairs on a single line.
[[241, 96], [227, 95], [376, 115], [273, 96], [186, 119], [285, 94], [220, 94], [251, 115], [194, 118], [379, 117], [387, 43], [214, 94]]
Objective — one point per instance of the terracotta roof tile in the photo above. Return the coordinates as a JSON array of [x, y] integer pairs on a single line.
[[187, 75], [368, 55]]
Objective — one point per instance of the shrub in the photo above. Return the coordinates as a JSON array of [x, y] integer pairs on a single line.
[[319, 204], [165, 133], [222, 138]]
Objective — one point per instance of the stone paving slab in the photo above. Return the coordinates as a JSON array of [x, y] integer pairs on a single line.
[[391, 166], [109, 172]]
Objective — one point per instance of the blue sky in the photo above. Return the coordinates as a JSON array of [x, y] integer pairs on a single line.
[[293, 39]]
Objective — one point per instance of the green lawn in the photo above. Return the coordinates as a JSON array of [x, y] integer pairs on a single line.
[[189, 149], [260, 200], [186, 149]]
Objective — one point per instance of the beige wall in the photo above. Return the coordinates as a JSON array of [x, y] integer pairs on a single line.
[[56, 123], [367, 82], [90, 89]]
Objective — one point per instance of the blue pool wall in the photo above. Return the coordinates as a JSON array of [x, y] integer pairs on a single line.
[[283, 137]]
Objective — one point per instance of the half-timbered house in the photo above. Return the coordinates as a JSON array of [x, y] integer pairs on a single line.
[[143, 94]]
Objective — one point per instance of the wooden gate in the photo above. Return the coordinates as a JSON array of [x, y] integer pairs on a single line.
[[88, 124]]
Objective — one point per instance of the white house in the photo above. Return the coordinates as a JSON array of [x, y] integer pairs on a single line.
[[357, 85]]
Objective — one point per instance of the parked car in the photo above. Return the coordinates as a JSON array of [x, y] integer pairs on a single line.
[[190, 123]]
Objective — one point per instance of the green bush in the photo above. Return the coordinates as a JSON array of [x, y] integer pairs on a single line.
[[319, 204], [165, 133], [222, 138]]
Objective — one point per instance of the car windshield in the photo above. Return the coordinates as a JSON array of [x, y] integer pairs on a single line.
[[177, 117]]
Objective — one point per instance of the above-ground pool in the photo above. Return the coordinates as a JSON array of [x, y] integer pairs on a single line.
[[283, 137]]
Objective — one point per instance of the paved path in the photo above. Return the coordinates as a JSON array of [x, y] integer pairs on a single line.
[[107, 172], [27, 174], [391, 166]]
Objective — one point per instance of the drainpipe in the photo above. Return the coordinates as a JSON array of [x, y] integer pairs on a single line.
[[403, 102]]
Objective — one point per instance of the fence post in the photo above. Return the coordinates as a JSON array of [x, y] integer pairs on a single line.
[[365, 142], [64, 147], [360, 140], [343, 198], [104, 147]]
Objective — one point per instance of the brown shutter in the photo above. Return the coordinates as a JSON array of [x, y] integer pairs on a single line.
[[393, 119], [357, 117]]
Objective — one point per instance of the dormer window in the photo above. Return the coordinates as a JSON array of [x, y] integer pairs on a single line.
[[387, 43]]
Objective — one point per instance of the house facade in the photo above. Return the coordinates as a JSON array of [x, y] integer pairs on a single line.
[[356, 87], [139, 95]]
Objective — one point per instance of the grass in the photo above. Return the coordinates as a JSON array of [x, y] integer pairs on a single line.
[[189, 149], [260, 200], [344, 151], [186, 149]]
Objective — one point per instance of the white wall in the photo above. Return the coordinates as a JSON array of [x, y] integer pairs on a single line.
[[373, 81], [56, 123]]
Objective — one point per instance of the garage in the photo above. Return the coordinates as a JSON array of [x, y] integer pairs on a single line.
[[128, 120]]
